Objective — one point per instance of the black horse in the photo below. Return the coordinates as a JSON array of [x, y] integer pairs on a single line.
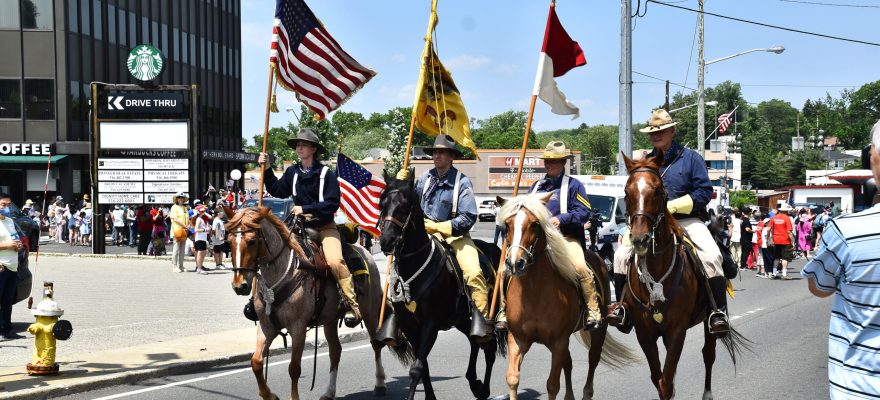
[[434, 297]]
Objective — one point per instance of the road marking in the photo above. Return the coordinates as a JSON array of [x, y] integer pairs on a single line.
[[214, 376], [750, 312]]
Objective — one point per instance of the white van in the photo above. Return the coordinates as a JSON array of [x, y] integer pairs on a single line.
[[606, 195]]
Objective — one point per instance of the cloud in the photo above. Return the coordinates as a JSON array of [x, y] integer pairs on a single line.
[[405, 92], [506, 69], [467, 61]]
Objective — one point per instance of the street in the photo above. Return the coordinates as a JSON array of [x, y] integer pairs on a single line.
[[116, 305]]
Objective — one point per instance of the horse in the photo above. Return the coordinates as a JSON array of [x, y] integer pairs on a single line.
[[290, 292], [543, 297], [436, 293], [666, 290]]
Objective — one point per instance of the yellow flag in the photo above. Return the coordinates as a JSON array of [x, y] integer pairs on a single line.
[[438, 107]]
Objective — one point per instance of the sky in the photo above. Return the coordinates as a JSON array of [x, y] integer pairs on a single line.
[[491, 48]]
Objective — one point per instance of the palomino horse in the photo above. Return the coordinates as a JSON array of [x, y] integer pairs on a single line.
[[436, 295], [666, 292], [293, 293], [543, 299]]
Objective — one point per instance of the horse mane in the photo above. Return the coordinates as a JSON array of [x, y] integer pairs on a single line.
[[555, 241], [654, 164], [408, 188], [253, 217]]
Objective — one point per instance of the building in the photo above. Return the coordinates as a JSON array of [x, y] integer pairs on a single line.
[[54, 49]]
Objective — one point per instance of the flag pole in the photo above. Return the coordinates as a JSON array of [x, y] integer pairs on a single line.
[[266, 131], [43, 210]]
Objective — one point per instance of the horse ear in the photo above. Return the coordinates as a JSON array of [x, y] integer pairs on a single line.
[[545, 198], [265, 211], [228, 211], [500, 200], [627, 162], [387, 178], [658, 158]]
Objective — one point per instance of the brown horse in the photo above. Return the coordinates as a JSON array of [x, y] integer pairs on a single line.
[[666, 290], [543, 297], [294, 294]]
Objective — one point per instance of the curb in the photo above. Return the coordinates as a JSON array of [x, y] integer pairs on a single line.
[[177, 368], [117, 256]]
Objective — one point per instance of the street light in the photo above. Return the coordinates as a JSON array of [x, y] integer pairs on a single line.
[[701, 108], [235, 175], [712, 103]]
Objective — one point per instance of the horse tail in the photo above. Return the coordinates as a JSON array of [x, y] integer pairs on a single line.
[[615, 354], [403, 351], [501, 338], [735, 343]]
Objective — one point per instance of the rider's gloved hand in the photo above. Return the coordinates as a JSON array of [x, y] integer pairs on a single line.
[[681, 205], [403, 174], [443, 228]]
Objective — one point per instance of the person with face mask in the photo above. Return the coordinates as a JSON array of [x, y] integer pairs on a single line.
[[10, 245]]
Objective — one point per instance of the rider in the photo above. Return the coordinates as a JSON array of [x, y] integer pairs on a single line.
[[571, 210], [686, 180], [315, 191], [447, 198]]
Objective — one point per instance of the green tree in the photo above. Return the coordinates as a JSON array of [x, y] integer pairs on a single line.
[[740, 198], [502, 131]]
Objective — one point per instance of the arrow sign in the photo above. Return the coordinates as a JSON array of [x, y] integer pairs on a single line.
[[117, 103]]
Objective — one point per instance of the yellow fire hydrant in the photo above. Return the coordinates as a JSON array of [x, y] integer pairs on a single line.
[[47, 328]]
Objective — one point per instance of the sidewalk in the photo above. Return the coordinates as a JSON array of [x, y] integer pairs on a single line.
[[132, 319]]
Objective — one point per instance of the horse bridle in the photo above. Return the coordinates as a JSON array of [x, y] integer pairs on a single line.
[[258, 261], [655, 220], [385, 219], [529, 252]]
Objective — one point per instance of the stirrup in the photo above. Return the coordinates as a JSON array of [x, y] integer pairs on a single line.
[[501, 321], [619, 319], [719, 326]]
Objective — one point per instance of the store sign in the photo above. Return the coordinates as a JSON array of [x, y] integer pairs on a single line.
[[502, 171], [167, 187], [120, 163], [25, 149], [120, 198], [120, 175], [145, 62], [172, 163], [163, 175], [144, 103], [227, 155], [158, 198], [121, 187]]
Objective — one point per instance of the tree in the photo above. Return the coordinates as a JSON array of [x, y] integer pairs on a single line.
[[502, 131], [740, 198]]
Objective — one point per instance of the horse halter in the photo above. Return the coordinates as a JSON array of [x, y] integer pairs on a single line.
[[384, 220], [655, 220], [258, 260], [528, 252]]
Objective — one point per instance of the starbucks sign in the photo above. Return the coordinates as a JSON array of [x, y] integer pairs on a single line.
[[145, 62]]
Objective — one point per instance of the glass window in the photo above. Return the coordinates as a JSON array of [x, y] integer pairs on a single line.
[[192, 48], [155, 34], [175, 42], [145, 31], [96, 18], [164, 32], [36, 14], [39, 97], [202, 47], [10, 98], [72, 15], [9, 14], [85, 20], [184, 48], [132, 29], [122, 28], [111, 24]]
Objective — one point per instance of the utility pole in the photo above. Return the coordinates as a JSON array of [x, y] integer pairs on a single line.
[[666, 103], [701, 100], [624, 130]]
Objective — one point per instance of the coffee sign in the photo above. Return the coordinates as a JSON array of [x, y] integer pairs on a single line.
[[25, 149], [145, 62]]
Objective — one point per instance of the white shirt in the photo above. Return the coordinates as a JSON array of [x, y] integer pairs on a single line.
[[219, 232], [203, 226], [118, 220], [8, 257], [735, 229]]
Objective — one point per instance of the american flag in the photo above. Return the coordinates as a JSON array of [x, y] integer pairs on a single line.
[[310, 62], [360, 192], [724, 121]]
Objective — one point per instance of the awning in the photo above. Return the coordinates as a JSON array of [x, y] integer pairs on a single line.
[[30, 159]]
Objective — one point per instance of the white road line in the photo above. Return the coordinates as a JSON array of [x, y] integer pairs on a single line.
[[750, 312], [214, 376]]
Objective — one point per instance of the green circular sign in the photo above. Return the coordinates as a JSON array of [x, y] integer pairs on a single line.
[[145, 62]]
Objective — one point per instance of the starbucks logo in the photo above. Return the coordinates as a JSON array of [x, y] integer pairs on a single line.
[[145, 62]]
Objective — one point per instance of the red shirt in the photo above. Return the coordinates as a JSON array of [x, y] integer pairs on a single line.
[[780, 224], [759, 237]]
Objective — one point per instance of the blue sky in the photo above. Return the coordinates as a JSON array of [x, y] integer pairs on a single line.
[[491, 47]]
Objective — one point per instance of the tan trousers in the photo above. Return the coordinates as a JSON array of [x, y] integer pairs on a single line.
[[576, 253], [469, 260], [332, 246], [707, 249]]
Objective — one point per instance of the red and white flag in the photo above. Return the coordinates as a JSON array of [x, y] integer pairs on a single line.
[[559, 53], [310, 62], [724, 121], [359, 192]]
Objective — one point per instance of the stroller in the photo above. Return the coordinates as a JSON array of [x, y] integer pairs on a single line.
[[157, 244]]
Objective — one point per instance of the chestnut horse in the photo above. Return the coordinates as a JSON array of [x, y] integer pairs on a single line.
[[543, 297], [293, 294], [680, 298]]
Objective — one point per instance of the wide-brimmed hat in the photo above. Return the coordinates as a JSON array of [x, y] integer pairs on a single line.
[[28, 201], [555, 150], [306, 135], [181, 194], [444, 142], [660, 120], [784, 207], [86, 196]]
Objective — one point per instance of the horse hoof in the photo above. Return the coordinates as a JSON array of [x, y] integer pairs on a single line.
[[707, 395], [380, 391]]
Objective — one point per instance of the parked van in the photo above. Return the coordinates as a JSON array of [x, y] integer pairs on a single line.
[[606, 196]]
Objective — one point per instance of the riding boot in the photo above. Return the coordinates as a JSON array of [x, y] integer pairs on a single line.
[[718, 323], [616, 312], [480, 327], [592, 318], [347, 286]]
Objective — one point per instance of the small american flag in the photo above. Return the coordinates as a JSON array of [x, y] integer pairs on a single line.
[[360, 192], [724, 121], [310, 62]]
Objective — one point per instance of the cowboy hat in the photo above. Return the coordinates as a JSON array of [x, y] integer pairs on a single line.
[[555, 150], [306, 135], [784, 207], [28, 201], [660, 120], [181, 194], [444, 142], [86, 196]]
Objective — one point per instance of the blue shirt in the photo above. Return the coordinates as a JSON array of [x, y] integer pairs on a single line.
[[848, 263], [307, 188], [686, 174], [571, 221], [438, 204]]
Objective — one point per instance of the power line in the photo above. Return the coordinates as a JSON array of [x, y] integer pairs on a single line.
[[766, 25], [745, 84], [662, 80], [816, 3]]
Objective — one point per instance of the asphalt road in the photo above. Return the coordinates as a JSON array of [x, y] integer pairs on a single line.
[[787, 325]]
